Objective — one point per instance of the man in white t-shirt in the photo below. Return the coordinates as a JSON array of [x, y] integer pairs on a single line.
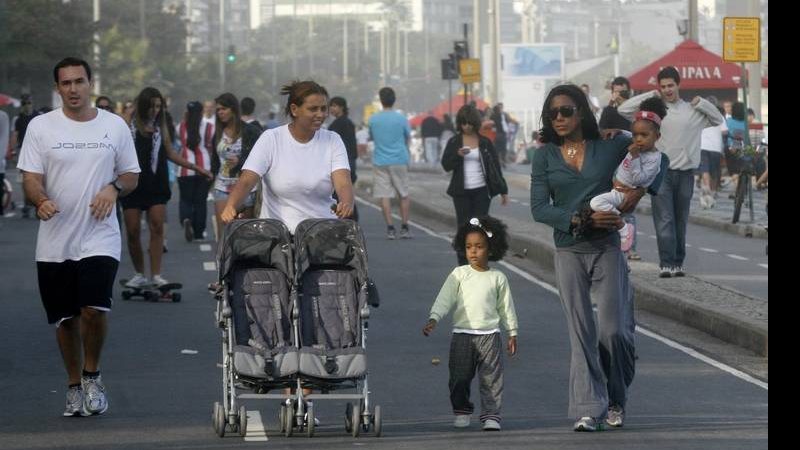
[[76, 161]]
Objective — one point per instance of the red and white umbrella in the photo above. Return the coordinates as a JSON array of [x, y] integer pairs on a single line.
[[6, 100]]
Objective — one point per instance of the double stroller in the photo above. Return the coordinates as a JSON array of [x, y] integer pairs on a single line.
[[293, 315]]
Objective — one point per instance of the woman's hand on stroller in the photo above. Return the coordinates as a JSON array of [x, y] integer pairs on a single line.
[[228, 214], [428, 328], [342, 210], [512, 345]]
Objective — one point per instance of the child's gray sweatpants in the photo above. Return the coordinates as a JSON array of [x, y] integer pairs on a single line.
[[481, 353]]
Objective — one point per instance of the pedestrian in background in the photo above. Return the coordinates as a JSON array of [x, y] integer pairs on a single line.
[[196, 139], [391, 134], [680, 141], [481, 301], [153, 141], [477, 175], [431, 131], [233, 140], [346, 129]]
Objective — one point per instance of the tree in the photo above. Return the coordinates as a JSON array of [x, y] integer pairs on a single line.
[[36, 34]]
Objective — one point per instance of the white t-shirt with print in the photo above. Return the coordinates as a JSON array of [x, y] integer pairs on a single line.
[[77, 159], [296, 177]]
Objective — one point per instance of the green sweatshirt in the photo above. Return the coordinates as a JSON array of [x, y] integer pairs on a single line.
[[482, 300]]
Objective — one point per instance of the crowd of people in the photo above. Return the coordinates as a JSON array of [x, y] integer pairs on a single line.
[[586, 181]]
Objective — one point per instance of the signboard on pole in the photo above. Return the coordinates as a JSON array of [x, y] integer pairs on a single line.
[[470, 70], [741, 39]]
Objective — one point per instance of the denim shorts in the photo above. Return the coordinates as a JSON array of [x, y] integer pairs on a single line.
[[222, 196]]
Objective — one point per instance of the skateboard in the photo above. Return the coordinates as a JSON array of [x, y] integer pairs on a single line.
[[152, 293]]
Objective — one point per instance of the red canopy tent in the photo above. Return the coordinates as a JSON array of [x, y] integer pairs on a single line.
[[700, 70], [442, 108], [8, 100]]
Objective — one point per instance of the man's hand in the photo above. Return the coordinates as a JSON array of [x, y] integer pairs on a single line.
[[512, 345], [695, 100], [428, 328], [607, 220], [609, 133], [102, 204], [47, 209], [632, 197]]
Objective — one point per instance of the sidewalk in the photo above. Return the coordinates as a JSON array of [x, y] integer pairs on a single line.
[[719, 217], [730, 316]]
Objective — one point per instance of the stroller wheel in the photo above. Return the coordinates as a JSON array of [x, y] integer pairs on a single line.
[[282, 417], [214, 416], [348, 418], [242, 421], [377, 421], [220, 422], [310, 421], [289, 425], [356, 420]]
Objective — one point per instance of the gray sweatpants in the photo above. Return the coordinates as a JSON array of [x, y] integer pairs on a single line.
[[602, 363], [482, 353]]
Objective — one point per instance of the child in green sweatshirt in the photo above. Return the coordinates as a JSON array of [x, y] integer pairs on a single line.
[[481, 299]]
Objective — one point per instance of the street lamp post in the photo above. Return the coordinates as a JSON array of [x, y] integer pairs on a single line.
[[96, 45]]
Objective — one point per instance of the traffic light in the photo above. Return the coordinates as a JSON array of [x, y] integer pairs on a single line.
[[231, 54], [461, 50]]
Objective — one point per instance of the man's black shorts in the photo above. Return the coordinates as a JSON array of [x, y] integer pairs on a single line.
[[68, 286]]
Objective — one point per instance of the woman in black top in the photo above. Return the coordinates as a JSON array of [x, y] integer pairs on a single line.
[[346, 129], [153, 140], [477, 176]]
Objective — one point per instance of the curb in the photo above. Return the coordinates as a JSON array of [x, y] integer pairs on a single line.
[[735, 329]]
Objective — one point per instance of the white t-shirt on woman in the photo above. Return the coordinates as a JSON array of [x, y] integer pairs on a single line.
[[473, 170], [296, 177]]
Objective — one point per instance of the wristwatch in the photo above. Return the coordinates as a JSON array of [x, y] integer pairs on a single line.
[[117, 186]]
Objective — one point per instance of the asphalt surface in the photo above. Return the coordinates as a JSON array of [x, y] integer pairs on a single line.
[[162, 398]]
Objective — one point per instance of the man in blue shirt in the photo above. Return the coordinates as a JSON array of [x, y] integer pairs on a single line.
[[391, 133]]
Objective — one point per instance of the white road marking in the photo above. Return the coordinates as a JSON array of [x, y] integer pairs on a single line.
[[724, 367], [552, 289], [766, 266], [205, 247], [709, 250], [256, 431], [652, 236], [209, 266], [740, 258]]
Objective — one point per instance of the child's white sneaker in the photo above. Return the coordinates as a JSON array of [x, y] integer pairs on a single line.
[[491, 425], [462, 421]]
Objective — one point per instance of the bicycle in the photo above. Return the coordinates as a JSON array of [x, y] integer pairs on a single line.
[[748, 157]]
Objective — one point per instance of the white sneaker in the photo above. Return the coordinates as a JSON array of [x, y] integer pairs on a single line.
[[138, 281], [74, 402], [94, 396], [462, 420], [159, 281], [491, 425]]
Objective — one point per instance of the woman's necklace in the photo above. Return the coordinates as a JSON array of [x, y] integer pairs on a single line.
[[572, 148]]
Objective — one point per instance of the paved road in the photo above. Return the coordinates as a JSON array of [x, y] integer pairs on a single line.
[[161, 398]]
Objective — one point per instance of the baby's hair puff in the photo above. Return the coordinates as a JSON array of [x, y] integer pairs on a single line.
[[493, 229]]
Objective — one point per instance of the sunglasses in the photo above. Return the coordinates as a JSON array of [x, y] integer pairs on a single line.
[[565, 111]]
